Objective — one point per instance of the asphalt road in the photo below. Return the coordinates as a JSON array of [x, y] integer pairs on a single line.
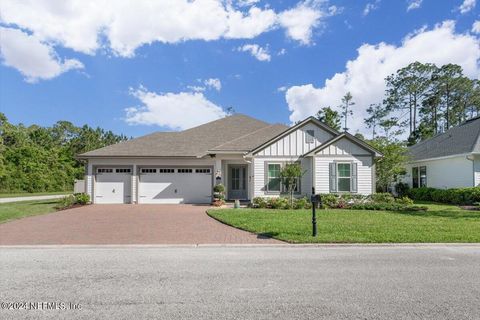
[[408, 282]]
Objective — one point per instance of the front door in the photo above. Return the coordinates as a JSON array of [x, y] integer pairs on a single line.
[[238, 182]]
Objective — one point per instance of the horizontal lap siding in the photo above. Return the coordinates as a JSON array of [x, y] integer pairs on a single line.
[[259, 174], [364, 172]]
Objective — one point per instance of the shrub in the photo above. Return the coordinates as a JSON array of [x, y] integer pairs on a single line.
[[66, 202], [82, 198], [330, 200], [384, 197], [387, 207], [405, 201], [219, 188], [277, 203], [301, 203], [259, 202], [454, 195]]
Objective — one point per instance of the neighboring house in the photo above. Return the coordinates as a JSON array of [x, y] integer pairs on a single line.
[[244, 154], [448, 160]]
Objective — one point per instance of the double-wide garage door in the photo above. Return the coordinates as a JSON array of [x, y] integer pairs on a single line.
[[175, 185]]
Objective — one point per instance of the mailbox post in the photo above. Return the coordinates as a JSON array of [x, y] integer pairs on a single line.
[[316, 200]]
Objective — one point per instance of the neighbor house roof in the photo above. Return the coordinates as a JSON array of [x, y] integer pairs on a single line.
[[463, 139], [233, 133]]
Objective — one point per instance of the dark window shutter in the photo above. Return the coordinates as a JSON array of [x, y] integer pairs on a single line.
[[354, 180], [333, 177]]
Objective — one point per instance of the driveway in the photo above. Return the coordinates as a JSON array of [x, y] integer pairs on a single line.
[[125, 224]]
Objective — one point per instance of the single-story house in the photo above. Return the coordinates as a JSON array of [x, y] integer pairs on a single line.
[[448, 160], [242, 153]]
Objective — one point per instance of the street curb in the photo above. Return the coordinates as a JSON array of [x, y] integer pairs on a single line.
[[246, 245]]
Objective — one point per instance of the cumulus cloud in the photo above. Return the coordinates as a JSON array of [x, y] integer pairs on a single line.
[[177, 111], [466, 6], [369, 7], [300, 21], [214, 83], [364, 76], [414, 4], [476, 27], [34, 59], [256, 51], [126, 25]]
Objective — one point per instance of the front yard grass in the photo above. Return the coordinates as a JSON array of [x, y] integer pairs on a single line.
[[16, 210], [441, 223]]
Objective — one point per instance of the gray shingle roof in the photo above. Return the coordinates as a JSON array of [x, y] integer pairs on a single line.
[[236, 131], [458, 140]]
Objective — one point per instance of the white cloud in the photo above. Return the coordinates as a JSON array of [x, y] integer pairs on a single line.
[[369, 7], [364, 76], [414, 4], [476, 27], [246, 3], [282, 52], [256, 51], [124, 25], [282, 89], [177, 111], [34, 59], [466, 6], [214, 83], [300, 21]]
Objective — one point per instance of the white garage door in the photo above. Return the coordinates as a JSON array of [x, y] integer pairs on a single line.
[[113, 185], [175, 185]]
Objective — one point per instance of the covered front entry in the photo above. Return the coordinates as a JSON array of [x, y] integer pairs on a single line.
[[175, 185], [237, 182]]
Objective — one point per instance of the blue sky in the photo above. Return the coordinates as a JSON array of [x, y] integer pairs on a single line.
[[141, 77]]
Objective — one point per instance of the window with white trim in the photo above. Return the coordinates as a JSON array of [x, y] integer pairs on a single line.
[[419, 177], [274, 181], [344, 177]]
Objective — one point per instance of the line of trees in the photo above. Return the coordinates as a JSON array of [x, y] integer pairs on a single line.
[[421, 100], [38, 159]]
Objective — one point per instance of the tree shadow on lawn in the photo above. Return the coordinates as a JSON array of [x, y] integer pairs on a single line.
[[266, 235]]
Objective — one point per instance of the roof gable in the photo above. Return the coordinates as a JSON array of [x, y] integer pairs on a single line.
[[327, 133], [345, 148]]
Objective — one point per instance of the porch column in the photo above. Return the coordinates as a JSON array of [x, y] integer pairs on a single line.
[[134, 184], [217, 168], [89, 180]]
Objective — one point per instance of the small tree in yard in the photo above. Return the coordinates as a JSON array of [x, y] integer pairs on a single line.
[[291, 174]]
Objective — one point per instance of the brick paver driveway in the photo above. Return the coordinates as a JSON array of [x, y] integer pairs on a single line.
[[124, 224]]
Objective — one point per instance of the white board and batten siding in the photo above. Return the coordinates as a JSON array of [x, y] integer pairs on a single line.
[[344, 151], [294, 144], [259, 174]]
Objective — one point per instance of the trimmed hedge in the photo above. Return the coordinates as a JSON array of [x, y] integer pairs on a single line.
[[452, 196]]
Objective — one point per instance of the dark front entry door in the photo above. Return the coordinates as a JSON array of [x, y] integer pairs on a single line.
[[237, 182]]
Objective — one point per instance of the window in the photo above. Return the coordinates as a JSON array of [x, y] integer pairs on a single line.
[[202, 170], [166, 170], [185, 170], [123, 170], [147, 170], [273, 177], [344, 177], [309, 136], [104, 170], [419, 177]]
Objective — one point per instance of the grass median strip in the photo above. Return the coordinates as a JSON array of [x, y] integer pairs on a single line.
[[441, 223], [16, 210]]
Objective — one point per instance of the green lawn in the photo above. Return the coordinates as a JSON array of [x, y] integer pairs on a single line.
[[27, 194], [16, 210], [441, 223]]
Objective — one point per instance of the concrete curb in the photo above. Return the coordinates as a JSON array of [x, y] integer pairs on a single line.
[[306, 245]]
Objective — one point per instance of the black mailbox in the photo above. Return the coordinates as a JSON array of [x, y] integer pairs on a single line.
[[315, 198]]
